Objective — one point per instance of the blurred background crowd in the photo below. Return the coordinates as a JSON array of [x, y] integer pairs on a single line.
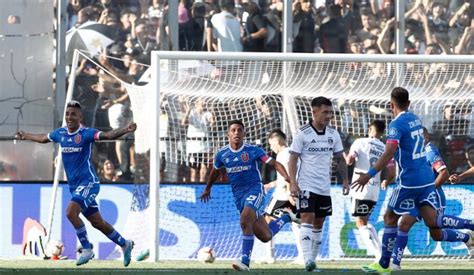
[[138, 27]]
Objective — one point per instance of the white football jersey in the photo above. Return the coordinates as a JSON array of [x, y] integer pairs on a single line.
[[281, 192], [315, 151], [367, 152]]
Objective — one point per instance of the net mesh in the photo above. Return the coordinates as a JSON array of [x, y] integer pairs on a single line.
[[198, 98]]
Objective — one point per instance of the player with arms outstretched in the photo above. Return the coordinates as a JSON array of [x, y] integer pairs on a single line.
[[415, 191], [312, 149], [435, 160], [76, 147], [241, 162], [364, 153]]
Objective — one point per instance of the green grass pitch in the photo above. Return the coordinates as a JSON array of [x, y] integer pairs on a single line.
[[30, 267]]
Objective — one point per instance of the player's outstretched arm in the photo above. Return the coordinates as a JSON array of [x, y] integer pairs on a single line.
[[213, 176], [280, 169], [40, 138], [390, 174], [454, 178], [114, 134], [383, 161]]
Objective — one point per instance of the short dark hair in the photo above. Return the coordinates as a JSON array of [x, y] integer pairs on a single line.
[[236, 121], [379, 125], [74, 104], [400, 97], [277, 133], [320, 100], [227, 4]]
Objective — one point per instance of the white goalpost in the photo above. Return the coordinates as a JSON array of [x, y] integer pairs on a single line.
[[186, 99]]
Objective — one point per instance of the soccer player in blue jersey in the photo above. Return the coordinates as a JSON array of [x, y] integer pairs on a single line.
[[241, 162], [415, 193], [435, 160], [76, 147]]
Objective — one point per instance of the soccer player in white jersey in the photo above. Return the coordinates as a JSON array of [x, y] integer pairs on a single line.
[[281, 201], [365, 152], [76, 148], [415, 192], [311, 154], [241, 162]]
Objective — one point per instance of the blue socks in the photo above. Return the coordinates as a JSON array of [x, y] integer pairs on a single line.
[[277, 224], [247, 245], [388, 242], [82, 236], [448, 221], [450, 235], [116, 238], [400, 245]]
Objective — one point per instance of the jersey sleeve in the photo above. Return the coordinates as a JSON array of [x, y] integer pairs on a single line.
[[338, 148], [394, 133], [355, 147], [298, 143], [262, 155], [435, 160], [55, 136], [91, 134], [218, 161]]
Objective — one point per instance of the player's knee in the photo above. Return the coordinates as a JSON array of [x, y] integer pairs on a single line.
[[245, 225], [390, 219], [404, 226], [265, 238]]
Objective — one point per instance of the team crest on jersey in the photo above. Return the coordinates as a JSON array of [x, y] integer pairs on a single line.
[[392, 132], [244, 157], [330, 141], [77, 139]]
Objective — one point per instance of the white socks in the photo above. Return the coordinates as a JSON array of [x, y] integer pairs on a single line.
[[317, 236], [371, 240], [306, 239]]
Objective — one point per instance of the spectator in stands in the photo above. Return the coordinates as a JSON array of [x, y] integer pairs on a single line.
[[255, 28], [108, 172], [451, 123], [334, 33], [225, 29], [143, 42], [198, 34], [368, 23], [438, 22], [156, 8], [274, 20], [199, 122], [305, 36]]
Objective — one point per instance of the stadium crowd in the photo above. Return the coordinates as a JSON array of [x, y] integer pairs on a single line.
[[319, 26]]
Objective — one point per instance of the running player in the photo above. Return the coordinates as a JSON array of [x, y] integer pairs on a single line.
[[241, 162], [76, 147]]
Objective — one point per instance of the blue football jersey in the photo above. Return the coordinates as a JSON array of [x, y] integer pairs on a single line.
[[434, 159], [76, 149], [406, 131], [242, 166]]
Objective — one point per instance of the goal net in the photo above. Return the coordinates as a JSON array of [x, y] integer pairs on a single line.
[[184, 100]]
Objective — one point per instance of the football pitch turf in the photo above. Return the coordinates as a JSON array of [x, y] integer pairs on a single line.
[[33, 267]]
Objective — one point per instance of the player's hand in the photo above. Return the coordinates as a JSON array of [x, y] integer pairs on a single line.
[[345, 189], [294, 190], [20, 135], [132, 127], [206, 195], [454, 178], [360, 183], [384, 185]]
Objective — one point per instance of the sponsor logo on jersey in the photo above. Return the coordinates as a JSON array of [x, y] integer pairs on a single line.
[[71, 149], [237, 169], [320, 149], [244, 157], [77, 139]]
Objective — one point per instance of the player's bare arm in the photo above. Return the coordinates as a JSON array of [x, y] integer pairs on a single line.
[[455, 178], [280, 169], [349, 158], [292, 168], [114, 134], [40, 138], [213, 176], [383, 161], [443, 176], [390, 174], [342, 170]]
